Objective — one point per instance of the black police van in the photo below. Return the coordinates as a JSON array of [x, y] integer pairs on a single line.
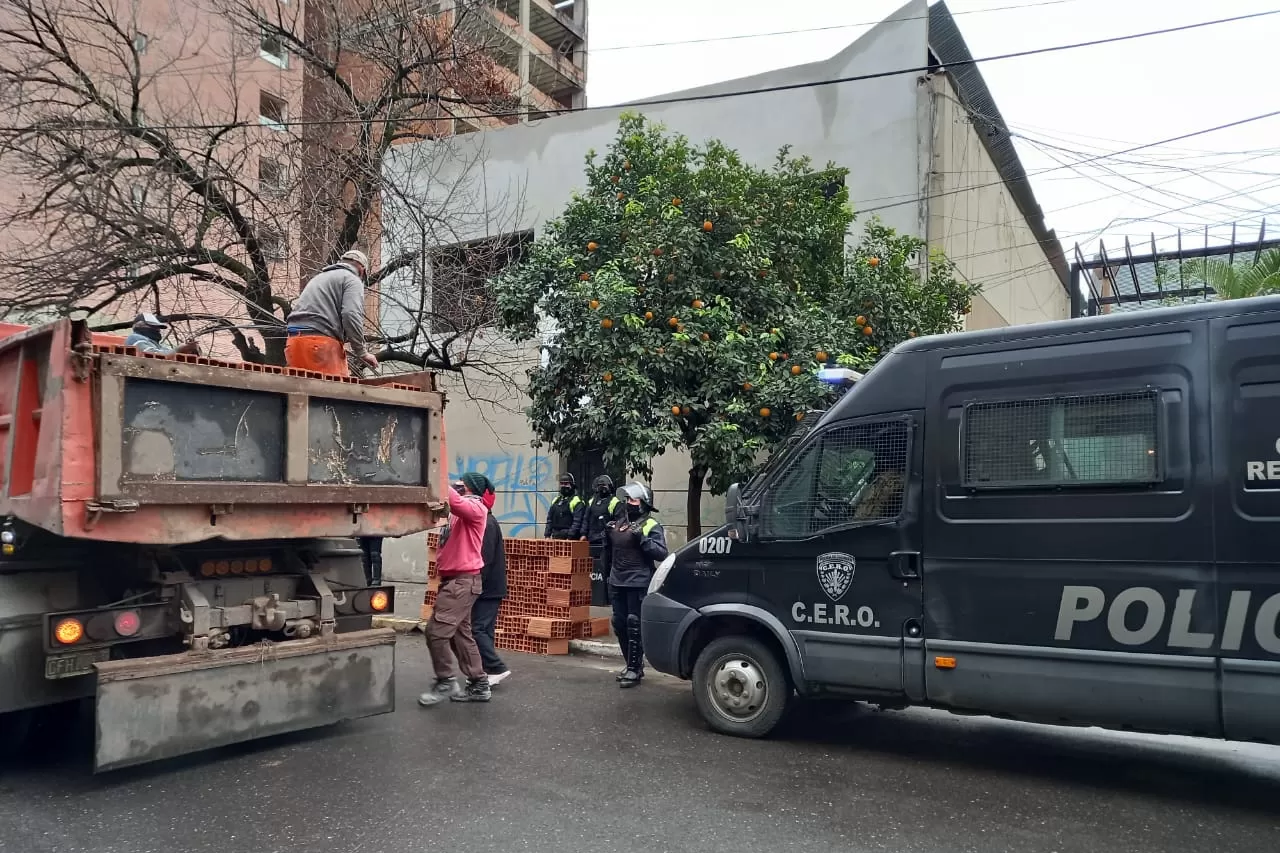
[[1075, 522]]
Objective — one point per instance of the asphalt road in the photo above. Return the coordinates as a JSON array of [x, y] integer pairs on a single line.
[[562, 760]]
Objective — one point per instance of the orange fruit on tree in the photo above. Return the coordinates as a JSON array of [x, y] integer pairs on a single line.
[[697, 303], [706, 225], [773, 356], [671, 278], [621, 196], [615, 178], [608, 377], [705, 336], [861, 321], [657, 253], [796, 370], [866, 330], [820, 355], [773, 331], [675, 410], [594, 303], [873, 261], [626, 164], [592, 246], [586, 276], [799, 416], [747, 386], [648, 315], [673, 322], [607, 323], [765, 412], [676, 202]]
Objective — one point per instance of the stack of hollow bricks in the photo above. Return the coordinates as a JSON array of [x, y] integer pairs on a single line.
[[548, 599]]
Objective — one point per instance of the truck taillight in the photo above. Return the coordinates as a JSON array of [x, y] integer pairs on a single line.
[[69, 631], [127, 623]]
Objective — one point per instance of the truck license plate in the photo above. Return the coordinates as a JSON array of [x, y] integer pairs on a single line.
[[76, 663]]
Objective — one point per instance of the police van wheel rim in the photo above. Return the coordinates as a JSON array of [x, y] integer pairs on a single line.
[[739, 688]]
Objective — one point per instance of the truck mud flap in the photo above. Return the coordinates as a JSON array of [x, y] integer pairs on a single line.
[[149, 709]]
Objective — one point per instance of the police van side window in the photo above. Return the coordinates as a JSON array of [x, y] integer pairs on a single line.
[[1079, 440], [854, 474]]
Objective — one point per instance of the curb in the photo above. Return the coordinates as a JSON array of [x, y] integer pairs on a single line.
[[591, 647], [399, 624]]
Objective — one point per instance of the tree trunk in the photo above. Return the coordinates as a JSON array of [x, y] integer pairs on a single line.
[[693, 507]]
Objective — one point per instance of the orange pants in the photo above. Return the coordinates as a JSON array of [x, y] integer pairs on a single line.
[[316, 352]]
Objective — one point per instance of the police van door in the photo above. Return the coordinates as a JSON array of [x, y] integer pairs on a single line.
[[839, 551], [1245, 357]]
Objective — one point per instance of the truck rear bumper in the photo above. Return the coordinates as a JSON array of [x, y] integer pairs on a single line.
[[154, 708]]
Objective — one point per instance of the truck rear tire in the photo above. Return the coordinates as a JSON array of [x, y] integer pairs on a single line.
[[740, 687]]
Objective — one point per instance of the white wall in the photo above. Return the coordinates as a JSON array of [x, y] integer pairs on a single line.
[[975, 220], [524, 174]]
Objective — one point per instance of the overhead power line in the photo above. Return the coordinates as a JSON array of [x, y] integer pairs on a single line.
[[716, 96], [804, 30]]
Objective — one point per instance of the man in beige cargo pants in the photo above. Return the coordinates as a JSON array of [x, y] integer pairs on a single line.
[[449, 637]]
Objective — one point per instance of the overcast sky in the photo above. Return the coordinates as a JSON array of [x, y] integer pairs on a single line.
[[1064, 107]]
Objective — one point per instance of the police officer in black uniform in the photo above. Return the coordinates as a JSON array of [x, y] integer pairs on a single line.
[[567, 515], [602, 510], [634, 543]]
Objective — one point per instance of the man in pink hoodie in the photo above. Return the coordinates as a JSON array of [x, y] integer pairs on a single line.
[[449, 628]]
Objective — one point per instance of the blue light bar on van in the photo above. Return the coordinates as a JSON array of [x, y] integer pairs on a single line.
[[838, 376]]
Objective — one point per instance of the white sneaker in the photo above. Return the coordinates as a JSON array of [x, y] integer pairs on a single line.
[[497, 678], [443, 689]]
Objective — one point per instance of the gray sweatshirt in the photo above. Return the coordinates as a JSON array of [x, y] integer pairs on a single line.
[[332, 304]]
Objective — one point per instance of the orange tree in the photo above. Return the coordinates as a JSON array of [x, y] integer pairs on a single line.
[[686, 300]]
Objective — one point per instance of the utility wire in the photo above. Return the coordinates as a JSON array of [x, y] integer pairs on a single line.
[[717, 96]]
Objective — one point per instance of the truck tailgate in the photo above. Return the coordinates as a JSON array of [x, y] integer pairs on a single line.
[[154, 708]]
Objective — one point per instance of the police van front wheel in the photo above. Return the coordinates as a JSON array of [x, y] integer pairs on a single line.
[[740, 687]]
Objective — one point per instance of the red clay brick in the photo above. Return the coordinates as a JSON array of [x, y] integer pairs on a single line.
[[558, 629], [568, 597]]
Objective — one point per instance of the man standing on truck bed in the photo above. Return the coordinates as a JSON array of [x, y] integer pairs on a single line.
[[449, 629], [328, 313], [145, 336]]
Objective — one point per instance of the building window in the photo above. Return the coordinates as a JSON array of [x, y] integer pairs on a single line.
[[272, 49], [273, 112], [139, 43], [851, 475], [272, 242], [1092, 440], [460, 294], [271, 177]]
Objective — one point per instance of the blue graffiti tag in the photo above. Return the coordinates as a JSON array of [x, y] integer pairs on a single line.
[[518, 481]]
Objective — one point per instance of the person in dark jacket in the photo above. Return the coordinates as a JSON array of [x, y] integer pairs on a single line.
[[567, 516], [602, 510], [634, 543]]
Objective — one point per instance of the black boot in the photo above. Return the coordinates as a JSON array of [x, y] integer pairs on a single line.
[[635, 655]]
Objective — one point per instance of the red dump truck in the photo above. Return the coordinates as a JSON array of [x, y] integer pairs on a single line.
[[177, 540]]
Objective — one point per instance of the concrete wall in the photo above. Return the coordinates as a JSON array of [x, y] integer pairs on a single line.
[[974, 219]]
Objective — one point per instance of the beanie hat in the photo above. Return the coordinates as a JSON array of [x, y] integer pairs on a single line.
[[478, 484]]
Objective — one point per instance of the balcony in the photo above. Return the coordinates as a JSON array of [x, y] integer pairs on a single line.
[[554, 42]]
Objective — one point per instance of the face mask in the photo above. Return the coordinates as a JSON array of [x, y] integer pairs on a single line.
[[634, 512], [603, 491], [566, 490]]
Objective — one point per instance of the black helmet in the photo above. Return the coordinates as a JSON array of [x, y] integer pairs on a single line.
[[567, 478], [640, 492], [604, 481]]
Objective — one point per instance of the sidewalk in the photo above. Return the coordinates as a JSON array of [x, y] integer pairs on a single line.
[[407, 618]]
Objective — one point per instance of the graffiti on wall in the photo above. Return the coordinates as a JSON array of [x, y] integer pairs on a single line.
[[523, 484]]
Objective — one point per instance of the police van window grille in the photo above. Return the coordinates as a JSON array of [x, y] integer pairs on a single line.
[[856, 474], [1103, 439]]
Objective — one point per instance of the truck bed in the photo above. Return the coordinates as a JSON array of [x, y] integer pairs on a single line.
[[105, 443]]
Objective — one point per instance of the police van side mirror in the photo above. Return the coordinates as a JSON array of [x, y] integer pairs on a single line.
[[732, 503]]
